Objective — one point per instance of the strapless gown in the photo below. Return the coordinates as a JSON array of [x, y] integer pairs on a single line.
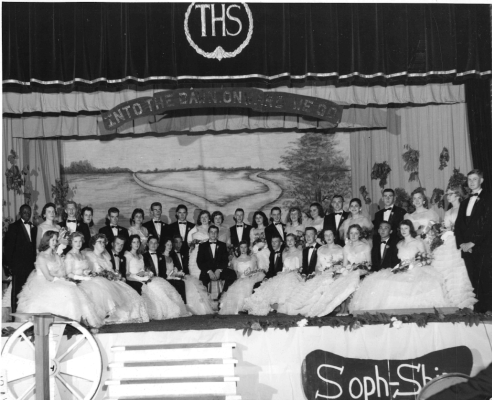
[[194, 234], [162, 301], [232, 301], [277, 289], [60, 297], [420, 287]]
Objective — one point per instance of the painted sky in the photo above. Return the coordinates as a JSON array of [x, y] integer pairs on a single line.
[[258, 150]]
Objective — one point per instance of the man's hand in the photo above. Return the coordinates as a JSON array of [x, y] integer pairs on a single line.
[[212, 276], [217, 273], [467, 247]]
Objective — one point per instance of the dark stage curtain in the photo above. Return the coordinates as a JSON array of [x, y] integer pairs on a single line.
[[478, 94], [107, 46]]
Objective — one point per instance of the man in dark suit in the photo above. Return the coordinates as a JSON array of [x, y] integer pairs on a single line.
[[156, 263], [20, 251], [112, 229], [239, 231], [212, 260], [335, 219], [181, 260], [473, 230], [391, 213], [275, 263], [384, 253], [156, 227], [73, 225], [181, 227], [119, 261], [276, 228], [309, 253]]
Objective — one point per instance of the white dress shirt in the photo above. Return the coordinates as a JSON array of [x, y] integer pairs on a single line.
[[382, 247], [280, 229], [387, 213], [116, 262], [182, 229], [338, 217], [213, 246], [157, 225], [471, 203], [239, 231], [72, 226], [28, 229]]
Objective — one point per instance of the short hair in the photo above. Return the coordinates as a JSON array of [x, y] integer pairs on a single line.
[[177, 236], [130, 240], [458, 190], [357, 200], [44, 244], [77, 234], [263, 215], [70, 202], [385, 222], [338, 196], [275, 208], [330, 228], [168, 239], [97, 237], [134, 213], [408, 223], [389, 190], [477, 172], [181, 206], [43, 212], [298, 209], [357, 227], [238, 249], [215, 214], [120, 237], [311, 229], [154, 204], [85, 209], [150, 237], [235, 211], [321, 212], [277, 236], [421, 192], [199, 218], [24, 206], [113, 210], [213, 227]]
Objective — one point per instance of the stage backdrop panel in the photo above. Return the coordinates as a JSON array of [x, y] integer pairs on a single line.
[[255, 171]]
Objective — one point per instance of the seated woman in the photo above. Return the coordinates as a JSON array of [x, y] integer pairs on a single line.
[[356, 251], [137, 228], [417, 287], [295, 225], [49, 224], [356, 217], [47, 290], [198, 299], [161, 299], [328, 289], [130, 306], [275, 292], [248, 273]]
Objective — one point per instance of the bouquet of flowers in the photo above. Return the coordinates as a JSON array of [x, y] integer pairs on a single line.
[[366, 233], [364, 266], [194, 243], [402, 267], [175, 274], [421, 259], [107, 274]]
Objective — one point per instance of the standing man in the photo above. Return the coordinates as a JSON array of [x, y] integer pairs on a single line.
[[310, 252], [336, 218], [391, 213], [213, 258], [473, 230], [181, 227], [156, 227], [112, 229], [180, 259], [277, 228], [20, 251], [239, 231], [384, 253]]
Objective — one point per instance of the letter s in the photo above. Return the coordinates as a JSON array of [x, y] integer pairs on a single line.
[[329, 381], [228, 13], [415, 382]]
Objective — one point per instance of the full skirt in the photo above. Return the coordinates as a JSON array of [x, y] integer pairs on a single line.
[[232, 301], [162, 300], [198, 300]]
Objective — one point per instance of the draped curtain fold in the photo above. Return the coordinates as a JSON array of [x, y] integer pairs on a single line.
[[88, 46], [426, 129]]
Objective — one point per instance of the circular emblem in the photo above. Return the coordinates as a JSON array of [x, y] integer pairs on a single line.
[[219, 53]]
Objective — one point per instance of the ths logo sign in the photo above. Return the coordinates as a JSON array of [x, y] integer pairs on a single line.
[[218, 31], [328, 376]]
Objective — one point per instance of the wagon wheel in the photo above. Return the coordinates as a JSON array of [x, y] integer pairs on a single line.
[[75, 363]]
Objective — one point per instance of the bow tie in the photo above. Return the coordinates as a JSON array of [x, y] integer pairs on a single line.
[[114, 226], [157, 221], [338, 213], [277, 224], [71, 221], [178, 252], [182, 222], [115, 255], [239, 225], [313, 247], [212, 242], [387, 209], [277, 252], [473, 195], [384, 242], [153, 253], [27, 223]]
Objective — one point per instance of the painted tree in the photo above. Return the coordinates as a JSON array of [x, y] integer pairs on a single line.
[[316, 169]]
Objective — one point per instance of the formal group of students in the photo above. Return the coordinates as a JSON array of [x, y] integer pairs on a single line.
[[310, 265]]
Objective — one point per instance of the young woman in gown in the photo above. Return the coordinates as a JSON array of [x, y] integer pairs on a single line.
[[317, 217], [49, 224], [275, 292], [355, 250], [196, 236], [448, 260], [248, 274], [130, 306], [294, 222], [355, 208], [136, 228], [218, 221], [106, 299], [323, 293], [258, 242], [198, 299], [418, 287], [47, 290], [422, 216], [161, 299], [86, 215]]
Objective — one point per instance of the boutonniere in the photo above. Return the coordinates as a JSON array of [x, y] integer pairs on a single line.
[[160, 258], [478, 198], [387, 246]]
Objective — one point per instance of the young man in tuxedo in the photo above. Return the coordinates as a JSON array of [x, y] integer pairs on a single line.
[[119, 261], [156, 227], [384, 253], [276, 228], [20, 251], [239, 231], [72, 224], [212, 260], [473, 231], [156, 263], [336, 218], [181, 260], [309, 253], [181, 227], [112, 229], [391, 213], [276, 264]]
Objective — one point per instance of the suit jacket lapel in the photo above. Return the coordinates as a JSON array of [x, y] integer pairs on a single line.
[[384, 252], [152, 265], [24, 230]]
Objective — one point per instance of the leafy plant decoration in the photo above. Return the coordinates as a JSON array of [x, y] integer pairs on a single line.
[[365, 194], [458, 179], [404, 200], [411, 158], [380, 171], [443, 158], [15, 182], [437, 197]]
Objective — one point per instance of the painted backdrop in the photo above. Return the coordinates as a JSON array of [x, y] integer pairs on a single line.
[[255, 171]]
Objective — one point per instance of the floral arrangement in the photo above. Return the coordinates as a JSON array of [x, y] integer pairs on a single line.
[[404, 200], [259, 241], [380, 171], [421, 259], [458, 179], [411, 158], [365, 194], [107, 274], [437, 197], [6, 222], [300, 240], [443, 158], [15, 182], [175, 274], [340, 270]]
